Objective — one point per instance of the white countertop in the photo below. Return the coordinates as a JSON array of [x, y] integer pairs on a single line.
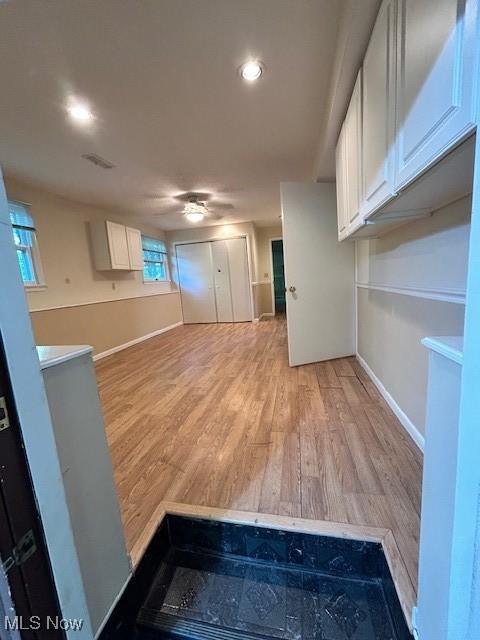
[[450, 347], [53, 355]]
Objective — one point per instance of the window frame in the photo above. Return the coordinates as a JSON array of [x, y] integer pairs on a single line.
[[32, 251], [164, 261]]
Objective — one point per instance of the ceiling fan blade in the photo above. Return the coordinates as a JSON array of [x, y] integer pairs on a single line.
[[168, 211], [225, 206]]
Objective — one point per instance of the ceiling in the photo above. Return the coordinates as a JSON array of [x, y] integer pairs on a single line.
[[171, 112]]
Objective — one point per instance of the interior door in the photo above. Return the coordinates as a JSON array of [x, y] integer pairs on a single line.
[[239, 279], [22, 546], [319, 275], [195, 277], [221, 277]]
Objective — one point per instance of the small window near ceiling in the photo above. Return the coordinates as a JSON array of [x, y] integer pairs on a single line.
[[155, 262], [25, 238]]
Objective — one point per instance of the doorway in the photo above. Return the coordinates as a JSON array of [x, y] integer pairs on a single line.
[[24, 558], [278, 276]]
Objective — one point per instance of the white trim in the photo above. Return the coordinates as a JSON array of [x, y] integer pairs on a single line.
[[125, 345], [260, 282], [450, 347], [268, 314], [85, 304], [408, 425], [456, 296], [114, 604], [50, 356]]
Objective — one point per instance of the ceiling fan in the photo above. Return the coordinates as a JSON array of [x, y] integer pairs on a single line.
[[196, 207]]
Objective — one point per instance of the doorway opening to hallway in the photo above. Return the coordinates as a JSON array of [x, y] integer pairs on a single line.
[[278, 276]]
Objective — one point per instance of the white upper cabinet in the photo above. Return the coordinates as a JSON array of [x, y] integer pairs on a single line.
[[341, 185], [116, 247], [135, 251], [353, 155], [435, 81], [378, 117], [348, 165]]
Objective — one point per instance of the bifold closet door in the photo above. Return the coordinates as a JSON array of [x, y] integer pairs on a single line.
[[239, 279], [221, 278], [195, 276]]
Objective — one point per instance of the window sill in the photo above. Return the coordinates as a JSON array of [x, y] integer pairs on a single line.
[[157, 282], [35, 287]]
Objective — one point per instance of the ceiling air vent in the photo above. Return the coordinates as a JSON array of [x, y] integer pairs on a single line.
[[98, 161]]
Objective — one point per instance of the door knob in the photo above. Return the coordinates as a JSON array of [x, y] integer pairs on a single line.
[[292, 289]]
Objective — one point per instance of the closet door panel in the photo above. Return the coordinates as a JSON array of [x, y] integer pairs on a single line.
[[239, 279], [221, 277], [195, 277]]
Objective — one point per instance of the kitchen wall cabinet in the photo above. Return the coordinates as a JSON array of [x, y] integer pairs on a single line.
[[135, 251], [418, 109], [341, 184], [116, 247], [348, 161], [353, 152], [378, 116], [435, 81]]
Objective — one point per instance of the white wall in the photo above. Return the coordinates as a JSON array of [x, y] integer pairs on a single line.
[[410, 284], [64, 244]]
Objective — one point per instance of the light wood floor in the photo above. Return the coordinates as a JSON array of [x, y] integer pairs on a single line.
[[213, 415]]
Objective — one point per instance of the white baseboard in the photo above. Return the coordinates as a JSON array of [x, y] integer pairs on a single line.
[[269, 314], [401, 415], [120, 347]]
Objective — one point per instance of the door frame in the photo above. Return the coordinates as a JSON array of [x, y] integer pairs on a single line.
[[272, 284], [216, 239], [37, 432]]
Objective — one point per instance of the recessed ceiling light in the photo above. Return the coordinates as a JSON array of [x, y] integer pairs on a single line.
[[80, 112], [251, 70]]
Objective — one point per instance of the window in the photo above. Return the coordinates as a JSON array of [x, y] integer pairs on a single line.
[[155, 262], [25, 239]]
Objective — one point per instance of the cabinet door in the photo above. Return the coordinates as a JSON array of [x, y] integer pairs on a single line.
[[435, 76], [378, 117], [341, 185], [221, 278], [353, 150], [239, 279], [135, 252], [117, 244]]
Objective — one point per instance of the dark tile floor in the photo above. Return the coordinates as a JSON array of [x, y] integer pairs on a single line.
[[291, 604], [217, 581]]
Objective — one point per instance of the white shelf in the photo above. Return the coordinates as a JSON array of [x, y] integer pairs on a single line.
[[450, 347]]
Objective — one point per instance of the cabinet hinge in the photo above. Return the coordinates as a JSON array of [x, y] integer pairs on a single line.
[[4, 419], [21, 552]]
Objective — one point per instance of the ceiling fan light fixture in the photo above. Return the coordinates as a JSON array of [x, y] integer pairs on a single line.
[[194, 216], [194, 211]]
